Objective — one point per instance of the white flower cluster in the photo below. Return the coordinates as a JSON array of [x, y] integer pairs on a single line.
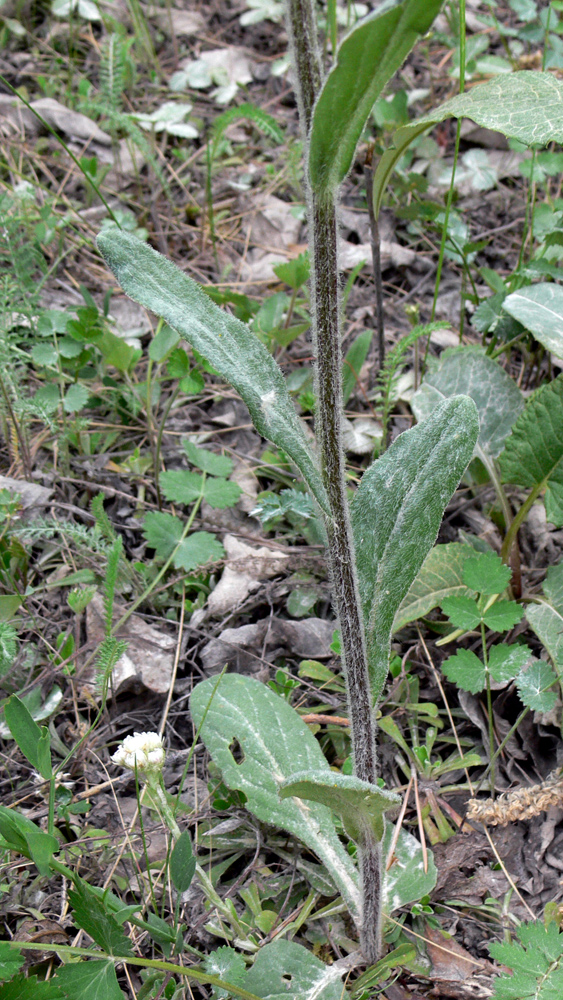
[[143, 751]]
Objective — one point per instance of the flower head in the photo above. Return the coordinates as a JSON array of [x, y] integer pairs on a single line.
[[143, 752]]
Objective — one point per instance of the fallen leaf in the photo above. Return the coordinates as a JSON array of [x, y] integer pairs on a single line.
[[245, 567], [251, 648], [74, 124]]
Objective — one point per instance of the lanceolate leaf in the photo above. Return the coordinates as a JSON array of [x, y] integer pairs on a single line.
[[367, 59], [360, 805], [527, 106], [272, 742], [440, 577], [397, 512], [533, 455], [498, 400], [540, 309], [240, 358]]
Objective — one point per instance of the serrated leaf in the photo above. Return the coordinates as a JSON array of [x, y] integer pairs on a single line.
[[466, 671], [505, 662], [503, 615], [11, 960], [533, 454], [91, 914], [537, 964], [533, 686], [284, 970], [208, 461], [182, 486], [162, 532], [221, 493], [540, 309], [91, 980], [182, 867], [397, 512], [486, 573], [546, 618], [463, 612], [30, 988], [440, 576], [367, 58], [527, 106], [198, 549], [360, 805], [496, 396], [228, 344], [228, 965], [75, 398]]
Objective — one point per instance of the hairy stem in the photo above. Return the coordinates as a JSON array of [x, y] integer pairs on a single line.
[[302, 31]]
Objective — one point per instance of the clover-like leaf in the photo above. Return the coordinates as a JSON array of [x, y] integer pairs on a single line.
[[486, 573], [466, 671], [533, 686], [463, 612], [503, 615], [208, 461], [505, 662]]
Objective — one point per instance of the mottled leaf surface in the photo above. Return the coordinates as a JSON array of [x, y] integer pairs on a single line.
[[540, 309], [284, 969]]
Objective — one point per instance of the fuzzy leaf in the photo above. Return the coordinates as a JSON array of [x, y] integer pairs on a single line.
[[90, 980], [92, 915], [466, 671], [224, 341], [546, 618], [503, 616], [198, 549], [360, 805], [463, 612], [182, 867], [533, 455], [537, 964], [284, 970], [527, 106], [367, 58], [397, 512], [486, 573], [162, 532], [533, 685], [497, 398], [505, 662], [440, 576], [227, 964], [208, 461], [540, 309]]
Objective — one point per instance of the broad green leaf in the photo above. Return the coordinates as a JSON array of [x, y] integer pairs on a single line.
[[284, 970], [503, 615], [546, 618], [228, 344], [162, 343], [94, 917], [182, 868], [540, 309], [182, 486], [463, 612], [352, 364], [30, 988], [227, 964], [273, 742], [440, 576], [367, 59], [34, 741], [505, 662], [536, 963], [208, 461], [90, 980], [533, 686], [486, 573], [162, 532], [397, 512], [360, 805], [221, 493], [11, 960], [9, 604], [75, 398], [197, 549], [23, 835], [466, 671], [405, 881], [527, 106], [497, 398], [533, 455]]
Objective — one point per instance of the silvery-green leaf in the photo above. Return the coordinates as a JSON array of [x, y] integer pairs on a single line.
[[397, 512], [284, 970], [405, 881], [497, 398], [546, 618], [533, 454], [271, 742], [527, 106], [360, 804], [540, 309], [440, 576], [229, 346]]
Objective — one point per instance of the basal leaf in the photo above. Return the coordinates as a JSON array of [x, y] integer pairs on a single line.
[[360, 805], [505, 662], [533, 455], [440, 576], [546, 618], [469, 371], [540, 309], [208, 461], [283, 970], [466, 671], [397, 512], [271, 741], [527, 106], [181, 486], [90, 980], [162, 532], [486, 573], [533, 686], [197, 549], [367, 59], [182, 867], [228, 344], [92, 915], [227, 964]]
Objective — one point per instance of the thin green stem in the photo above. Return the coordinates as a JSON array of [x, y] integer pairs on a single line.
[[489, 708]]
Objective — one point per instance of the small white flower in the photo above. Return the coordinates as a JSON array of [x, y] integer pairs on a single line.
[[141, 751]]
